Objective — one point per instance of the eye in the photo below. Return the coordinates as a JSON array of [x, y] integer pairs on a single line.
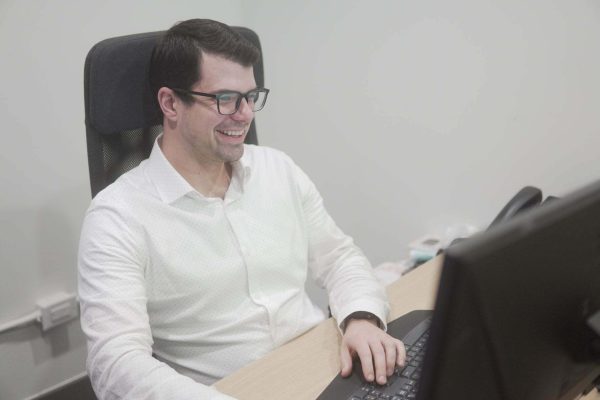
[[252, 96], [227, 97]]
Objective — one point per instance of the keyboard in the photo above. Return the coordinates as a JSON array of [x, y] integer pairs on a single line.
[[403, 384]]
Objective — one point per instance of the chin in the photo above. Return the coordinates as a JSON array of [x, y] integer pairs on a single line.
[[233, 154]]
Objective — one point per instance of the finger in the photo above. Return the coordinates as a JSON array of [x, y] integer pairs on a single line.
[[379, 361], [390, 356], [346, 361], [366, 360], [400, 353]]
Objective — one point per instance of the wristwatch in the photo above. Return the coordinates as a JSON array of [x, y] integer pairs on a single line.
[[360, 315]]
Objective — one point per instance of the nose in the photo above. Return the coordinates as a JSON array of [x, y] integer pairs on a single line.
[[244, 112]]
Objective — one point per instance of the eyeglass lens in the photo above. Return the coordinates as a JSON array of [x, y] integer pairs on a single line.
[[229, 103]]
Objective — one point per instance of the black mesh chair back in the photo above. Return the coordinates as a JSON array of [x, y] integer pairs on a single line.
[[122, 119]]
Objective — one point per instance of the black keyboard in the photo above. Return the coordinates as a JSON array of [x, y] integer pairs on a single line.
[[403, 384], [413, 330]]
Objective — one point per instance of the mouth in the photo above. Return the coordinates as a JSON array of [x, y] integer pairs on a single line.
[[231, 135]]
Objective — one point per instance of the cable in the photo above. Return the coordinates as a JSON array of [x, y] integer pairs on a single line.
[[51, 311], [20, 322]]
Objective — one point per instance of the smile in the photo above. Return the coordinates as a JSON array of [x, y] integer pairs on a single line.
[[232, 133]]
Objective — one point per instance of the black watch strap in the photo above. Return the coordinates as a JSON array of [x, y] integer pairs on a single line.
[[360, 315]]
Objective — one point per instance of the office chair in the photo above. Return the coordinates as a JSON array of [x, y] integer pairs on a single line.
[[122, 119]]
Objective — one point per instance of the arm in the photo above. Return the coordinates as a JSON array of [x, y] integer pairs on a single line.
[[339, 266], [114, 316]]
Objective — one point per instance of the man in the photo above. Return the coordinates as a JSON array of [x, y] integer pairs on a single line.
[[193, 264]]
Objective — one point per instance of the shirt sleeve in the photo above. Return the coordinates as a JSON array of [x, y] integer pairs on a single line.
[[336, 263], [114, 318]]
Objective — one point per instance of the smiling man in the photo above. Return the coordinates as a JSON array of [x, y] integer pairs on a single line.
[[194, 263]]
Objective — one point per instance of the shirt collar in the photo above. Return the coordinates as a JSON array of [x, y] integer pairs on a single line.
[[171, 186], [242, 167]]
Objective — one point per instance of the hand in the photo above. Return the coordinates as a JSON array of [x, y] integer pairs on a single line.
[[379, 353]]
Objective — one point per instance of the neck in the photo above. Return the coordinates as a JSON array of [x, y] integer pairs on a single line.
[[211, 178]]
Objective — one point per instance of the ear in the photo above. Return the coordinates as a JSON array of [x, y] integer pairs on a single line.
[[169, 103]]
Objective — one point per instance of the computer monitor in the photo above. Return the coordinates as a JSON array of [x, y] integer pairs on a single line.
[[512, 312]]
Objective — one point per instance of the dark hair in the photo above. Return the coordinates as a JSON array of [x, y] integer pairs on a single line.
[[178, 53]]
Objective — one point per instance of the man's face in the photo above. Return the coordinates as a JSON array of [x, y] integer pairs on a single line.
[[213, 137]]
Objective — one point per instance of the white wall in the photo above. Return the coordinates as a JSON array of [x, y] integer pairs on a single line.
[[411, 116], [43, 164], [408, 115]]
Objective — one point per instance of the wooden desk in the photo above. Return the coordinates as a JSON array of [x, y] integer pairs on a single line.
[[302, 368]]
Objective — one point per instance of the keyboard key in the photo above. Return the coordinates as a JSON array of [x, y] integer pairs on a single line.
[[408, 371]]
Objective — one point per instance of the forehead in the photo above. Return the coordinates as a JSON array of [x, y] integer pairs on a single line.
[[219, 73]]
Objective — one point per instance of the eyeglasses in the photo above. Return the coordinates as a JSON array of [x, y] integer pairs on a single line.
[[228, 102]]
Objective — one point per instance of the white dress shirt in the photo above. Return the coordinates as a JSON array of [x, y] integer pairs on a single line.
[[178, 290]]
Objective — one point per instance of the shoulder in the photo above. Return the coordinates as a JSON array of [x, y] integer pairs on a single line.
[[267, 160], [274, 165], [123, 196], [114, 221], [262, 154]]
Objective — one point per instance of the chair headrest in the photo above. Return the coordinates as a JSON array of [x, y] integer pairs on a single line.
[[118, 94]]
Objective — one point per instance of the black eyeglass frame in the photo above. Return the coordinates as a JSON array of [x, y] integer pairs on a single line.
[[217, 96]]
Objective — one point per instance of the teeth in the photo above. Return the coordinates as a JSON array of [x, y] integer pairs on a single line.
[[232, 133]]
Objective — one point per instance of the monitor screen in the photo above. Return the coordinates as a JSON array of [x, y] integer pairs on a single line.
[[511, 312]]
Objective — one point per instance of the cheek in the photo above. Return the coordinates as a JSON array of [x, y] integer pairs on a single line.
[[203, 124]]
